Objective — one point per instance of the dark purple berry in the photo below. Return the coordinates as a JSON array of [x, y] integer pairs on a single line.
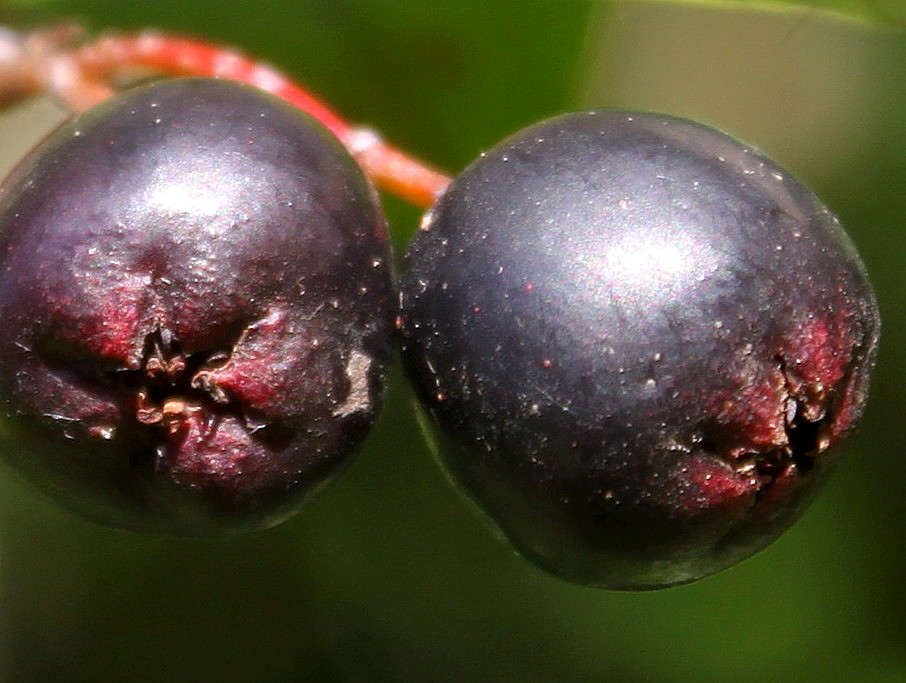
[[195, 286], [641, 341]]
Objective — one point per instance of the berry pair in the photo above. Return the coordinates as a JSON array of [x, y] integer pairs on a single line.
[[639, 339]]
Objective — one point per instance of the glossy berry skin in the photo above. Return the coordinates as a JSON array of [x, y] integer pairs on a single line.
[[641, 342], [195, 284]]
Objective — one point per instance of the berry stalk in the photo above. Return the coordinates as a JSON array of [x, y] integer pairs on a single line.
[[83, 76]]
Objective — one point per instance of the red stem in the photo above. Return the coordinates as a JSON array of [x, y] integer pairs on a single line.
[[82, 77]]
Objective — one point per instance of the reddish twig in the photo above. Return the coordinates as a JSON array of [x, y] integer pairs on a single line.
[[82, 76]]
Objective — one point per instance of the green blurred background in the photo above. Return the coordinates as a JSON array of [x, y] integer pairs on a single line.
[[388, 576]]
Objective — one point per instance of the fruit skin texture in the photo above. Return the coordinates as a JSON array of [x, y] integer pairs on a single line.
[[195, 284], [641, 342]]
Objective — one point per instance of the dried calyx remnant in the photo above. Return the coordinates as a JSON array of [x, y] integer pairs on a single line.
[[806, 428], [171, 385], [196, 288], [801, 434]]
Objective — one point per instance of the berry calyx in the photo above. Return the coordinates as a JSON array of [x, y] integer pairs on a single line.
[[641, 343]]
